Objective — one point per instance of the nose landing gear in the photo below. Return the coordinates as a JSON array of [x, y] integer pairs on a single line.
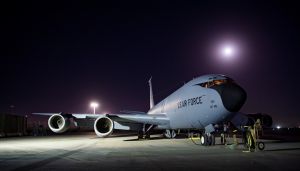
[[145, 132], [207, 139], [204, 139]]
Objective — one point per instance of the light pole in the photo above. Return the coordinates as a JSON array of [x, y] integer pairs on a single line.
[[94, 105]]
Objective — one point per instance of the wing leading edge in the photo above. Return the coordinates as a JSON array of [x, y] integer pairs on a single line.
[[153, 119]]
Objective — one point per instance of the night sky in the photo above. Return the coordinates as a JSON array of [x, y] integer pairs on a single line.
[[61, 56]]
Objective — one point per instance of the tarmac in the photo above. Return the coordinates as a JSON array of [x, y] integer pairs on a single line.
[[87, 152]]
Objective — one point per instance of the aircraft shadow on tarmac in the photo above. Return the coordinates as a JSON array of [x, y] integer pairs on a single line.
[[136, 139], [155, 138], [117, 135], [130, 135], [283, 149]]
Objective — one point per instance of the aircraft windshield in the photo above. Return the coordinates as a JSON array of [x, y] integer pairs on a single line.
[[215, 82]]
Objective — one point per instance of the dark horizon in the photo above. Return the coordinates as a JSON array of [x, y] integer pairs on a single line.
[[58, 57]]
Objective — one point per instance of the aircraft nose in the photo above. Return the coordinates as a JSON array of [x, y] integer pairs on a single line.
[[233, 96]]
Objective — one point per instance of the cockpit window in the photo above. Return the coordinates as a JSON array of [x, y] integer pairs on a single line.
[[215, 82]]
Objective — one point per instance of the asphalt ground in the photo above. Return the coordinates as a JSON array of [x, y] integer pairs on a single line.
[[125, 152]]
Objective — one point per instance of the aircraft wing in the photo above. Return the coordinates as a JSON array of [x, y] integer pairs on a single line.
[[104, 124], [74, 115], [153, 119]]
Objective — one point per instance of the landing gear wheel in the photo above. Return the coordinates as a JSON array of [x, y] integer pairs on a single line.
[[147, 136], [204, 140], [140, 135], [170, 133], [167, 133], [261, 145]]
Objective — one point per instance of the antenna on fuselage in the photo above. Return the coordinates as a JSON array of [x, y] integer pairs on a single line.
[[151, 93]]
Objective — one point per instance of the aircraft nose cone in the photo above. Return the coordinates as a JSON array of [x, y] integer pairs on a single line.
[[233, 96]]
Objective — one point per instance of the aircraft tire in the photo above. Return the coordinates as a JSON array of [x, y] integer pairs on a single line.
[[167, 133], [173, 133], [147, 136], [204, 140], [140, 135], [170, 133]]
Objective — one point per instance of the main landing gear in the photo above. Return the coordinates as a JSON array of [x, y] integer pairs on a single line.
[[144, 133], [170, 133]]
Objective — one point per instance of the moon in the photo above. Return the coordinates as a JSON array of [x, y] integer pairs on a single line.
[[227, 51]]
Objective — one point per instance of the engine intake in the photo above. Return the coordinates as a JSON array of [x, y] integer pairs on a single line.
[[103, 126], [58, 124]]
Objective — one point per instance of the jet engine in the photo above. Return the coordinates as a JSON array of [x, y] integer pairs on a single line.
[[103, 126], [241, 119], [58, 123], [266, 120]]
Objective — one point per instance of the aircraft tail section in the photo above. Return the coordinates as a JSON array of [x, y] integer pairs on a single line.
[[151, 93]]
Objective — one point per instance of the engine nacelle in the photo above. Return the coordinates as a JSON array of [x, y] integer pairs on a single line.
[[241, 119], [266, 120], [58, 124], [103, 126]]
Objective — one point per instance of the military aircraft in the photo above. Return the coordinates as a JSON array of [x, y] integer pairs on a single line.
[[198, 104]]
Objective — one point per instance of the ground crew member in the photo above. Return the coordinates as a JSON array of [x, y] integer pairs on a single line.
[[224, 134], [235, 142], [257, 128]]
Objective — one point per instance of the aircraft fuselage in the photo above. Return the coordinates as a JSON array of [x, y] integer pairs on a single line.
[[196, 106]]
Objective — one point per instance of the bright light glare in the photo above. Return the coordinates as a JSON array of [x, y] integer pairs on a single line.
[[227, 51], [278, 127], [93, 104]]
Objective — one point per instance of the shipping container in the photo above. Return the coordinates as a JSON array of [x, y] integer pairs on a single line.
[[12, 125]]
